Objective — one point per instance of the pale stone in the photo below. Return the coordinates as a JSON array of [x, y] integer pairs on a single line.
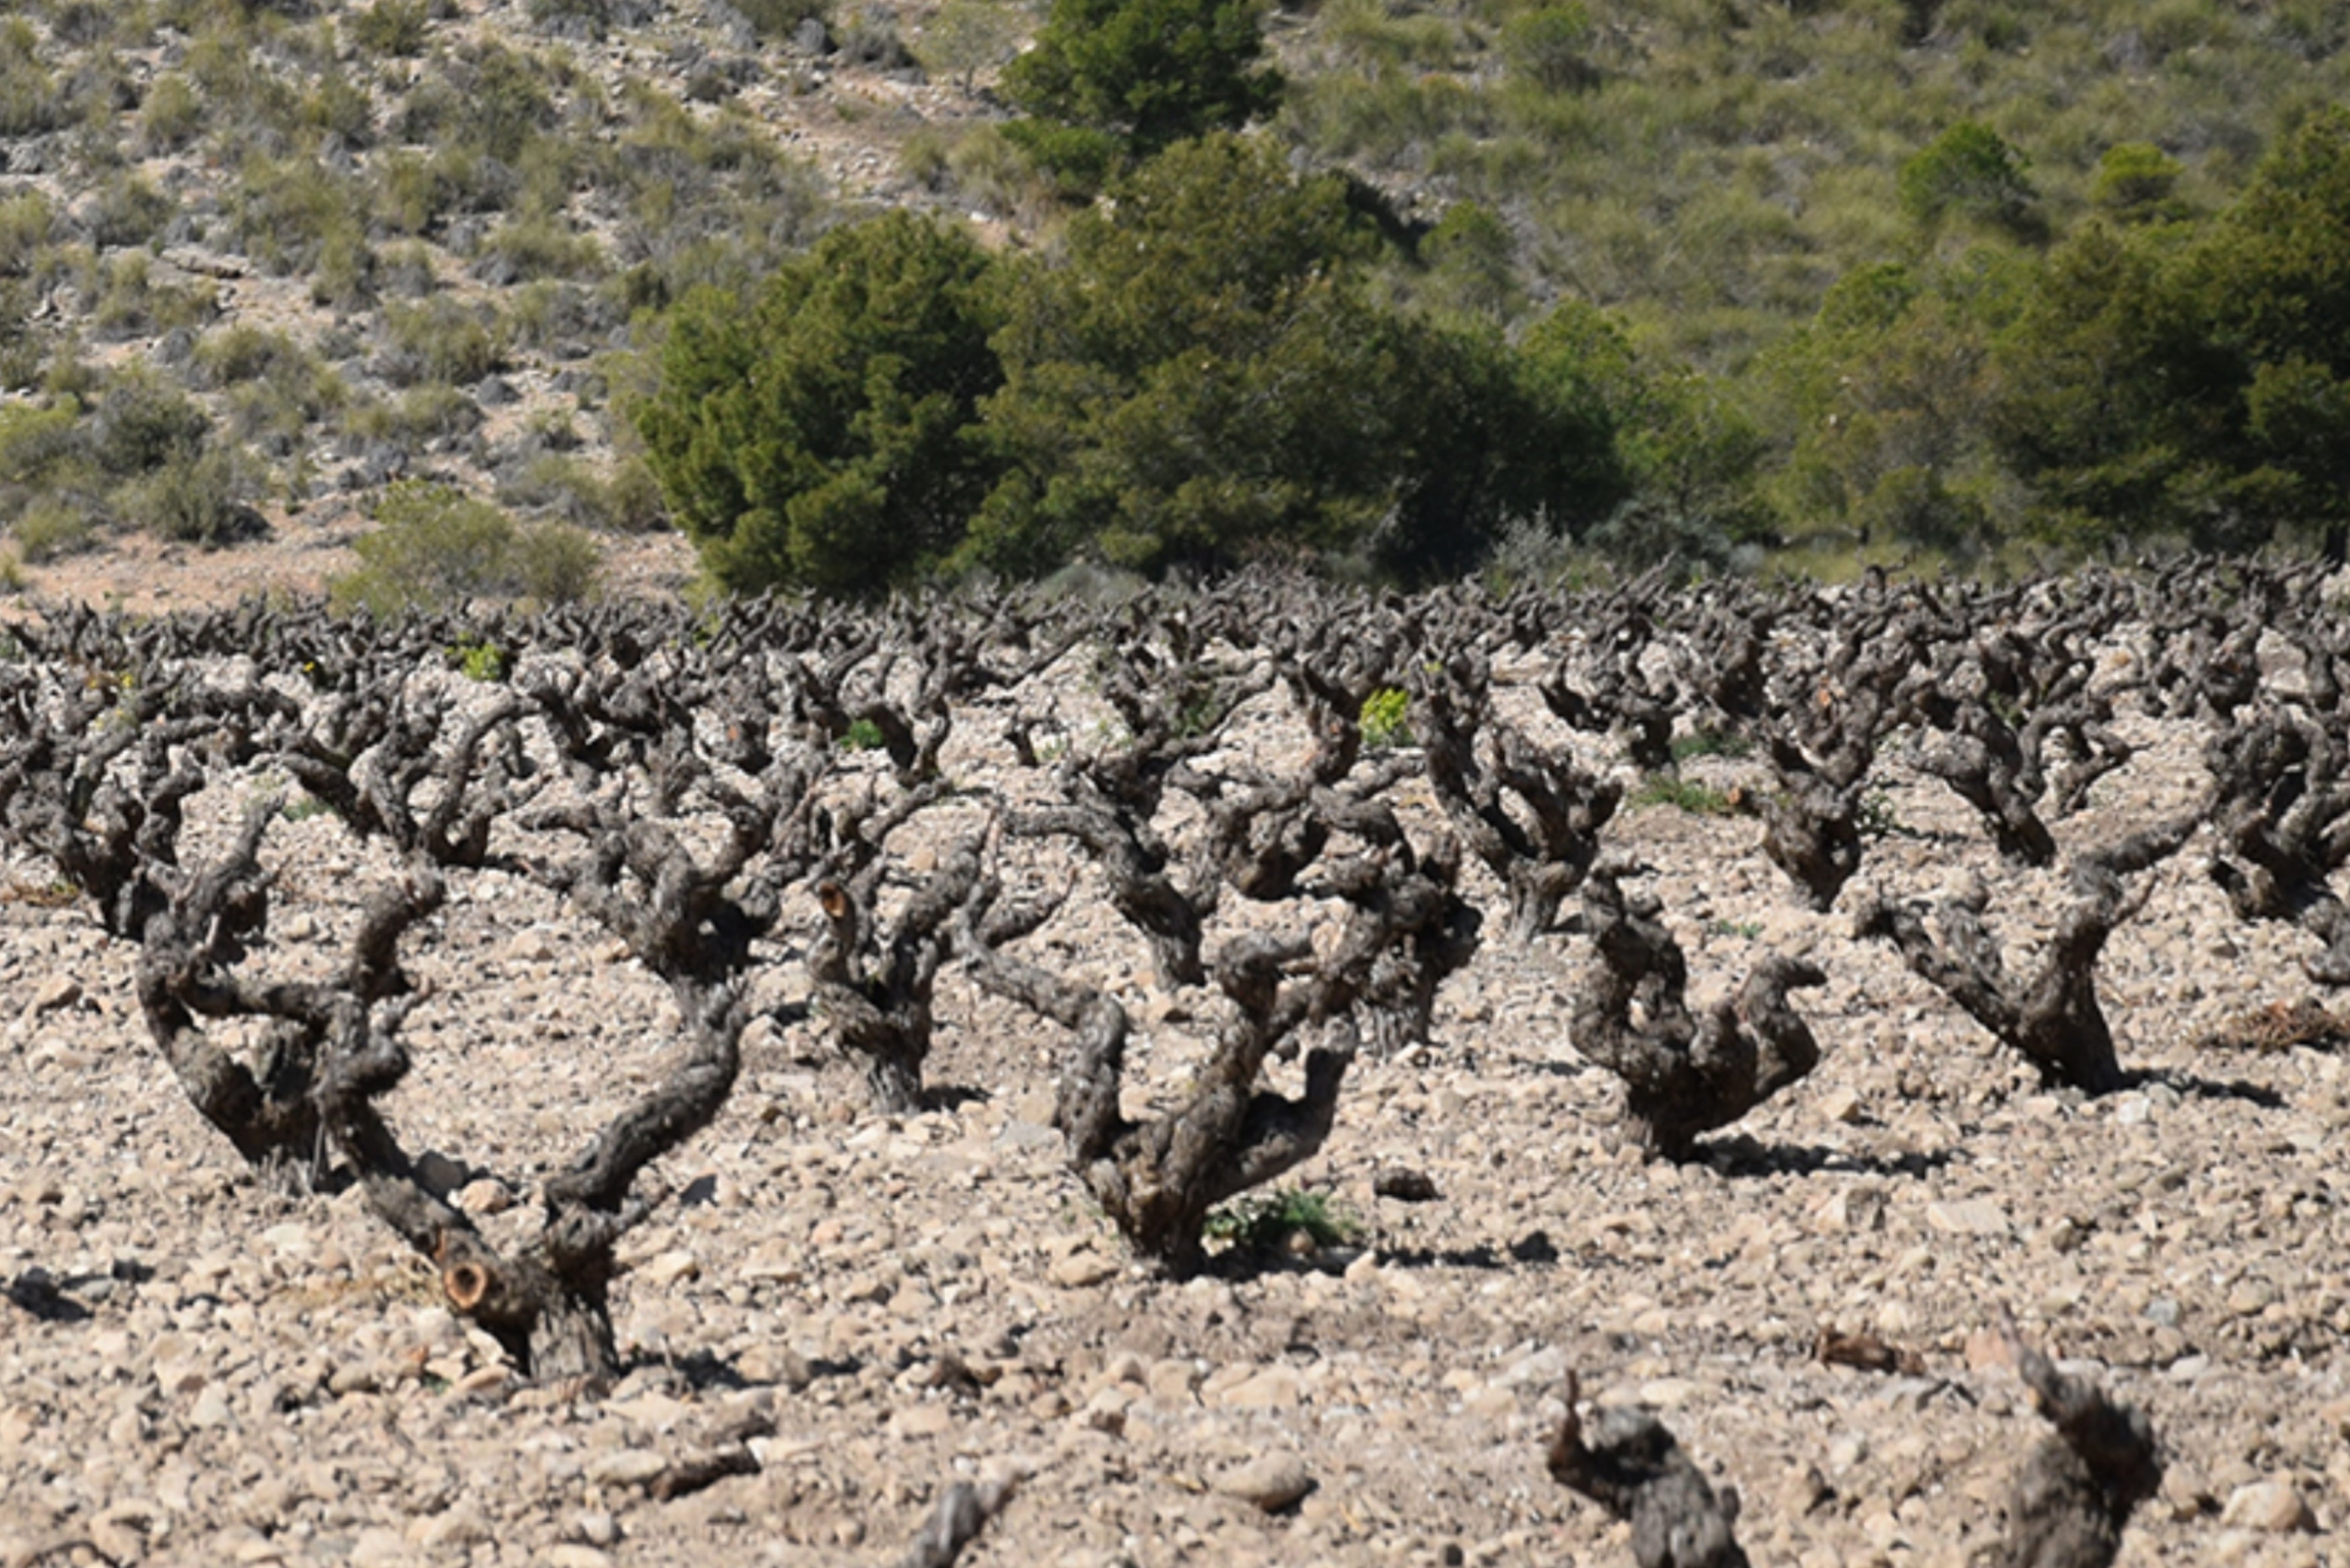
[[1968, 1216], [57, 993], [379, 1547], [1172, 1382], [211, 1408], [2276, 1507], [1667, 1393], [1270, 1481], [626, 1466], [929, 1419], [531, 946], [486, 1196], [1274, 1388], [461, 1525], [668, 1268], [1080, 1270]]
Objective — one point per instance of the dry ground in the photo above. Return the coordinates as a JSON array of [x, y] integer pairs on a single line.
[[196, 1370]]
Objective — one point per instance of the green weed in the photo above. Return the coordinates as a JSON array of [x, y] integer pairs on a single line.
[[1683, 794], [1263, 1223], [1385, 719], [1725, 744], [478, 659]]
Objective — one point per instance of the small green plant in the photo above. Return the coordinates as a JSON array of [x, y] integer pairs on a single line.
[[1385, 719], [1876, 817], [1266, 1223], [1683, 794], [1199, 708], [1725, 744], [304, 806], [863, 735], [478, 659], [1750, 931]]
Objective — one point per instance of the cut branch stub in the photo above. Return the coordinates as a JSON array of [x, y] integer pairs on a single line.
[[1630, 1464], [2077, 1491], [874, 980], [1683, 1075]]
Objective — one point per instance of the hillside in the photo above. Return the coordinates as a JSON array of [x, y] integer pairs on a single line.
[[258, 262]]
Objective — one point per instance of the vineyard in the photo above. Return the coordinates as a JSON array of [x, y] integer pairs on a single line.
[[1261, 1074]]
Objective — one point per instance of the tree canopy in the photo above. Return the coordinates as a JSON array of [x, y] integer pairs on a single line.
[[823, 437]]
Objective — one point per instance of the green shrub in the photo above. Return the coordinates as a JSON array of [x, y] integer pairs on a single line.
[[199, 497], [822, 439], [396, 29], [778, 19], [1386, 719], [542, 248], [132, 304], [435, 548], [1972, 170], [1682, 795], [2137, 180], [965, 38], [479, 659], [36, 443], [346, 270], [285, 210], [1550, 45], [1268, 1223], [339, 107], [1696, 743], [450, 343], [50, 528], [142, 423], [130, 209], [554, 565], [32, 100], [1149, 72], [27, 222]]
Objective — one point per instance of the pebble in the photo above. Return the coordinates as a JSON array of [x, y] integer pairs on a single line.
[[1270, 1481], [626, 1466], [1969, 1217], [1274, 1388], [666, 1269], [485, 1195], [57, 993], [1080, 1270], [2275, 1507]]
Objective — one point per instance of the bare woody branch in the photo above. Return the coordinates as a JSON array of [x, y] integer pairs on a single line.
[[2077, 1489], [2053, 1019], [1630, 1464]]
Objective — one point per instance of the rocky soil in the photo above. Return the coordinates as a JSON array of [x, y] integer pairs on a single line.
[[196, 1369]]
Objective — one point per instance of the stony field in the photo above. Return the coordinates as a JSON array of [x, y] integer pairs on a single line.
[[196, 1369]]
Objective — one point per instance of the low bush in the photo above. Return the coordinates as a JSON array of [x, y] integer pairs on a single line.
[[396, 29], [446, 342], [434, 547], [200, 497]]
